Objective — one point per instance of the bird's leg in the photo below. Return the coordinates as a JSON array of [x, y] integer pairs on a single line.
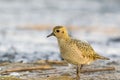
[[77, 73], [79, 67]]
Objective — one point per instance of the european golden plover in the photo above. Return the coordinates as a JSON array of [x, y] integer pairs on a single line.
[[75, 51]]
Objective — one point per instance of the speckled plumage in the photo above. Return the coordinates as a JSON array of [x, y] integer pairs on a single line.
[[77, 51], [74, 51]]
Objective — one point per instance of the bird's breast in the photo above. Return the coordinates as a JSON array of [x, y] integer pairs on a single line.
[[64, 46], [70, 52]]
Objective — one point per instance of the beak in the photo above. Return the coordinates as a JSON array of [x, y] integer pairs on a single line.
[[52, 34]]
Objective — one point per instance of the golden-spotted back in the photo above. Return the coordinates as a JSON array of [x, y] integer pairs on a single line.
[[72, 50]]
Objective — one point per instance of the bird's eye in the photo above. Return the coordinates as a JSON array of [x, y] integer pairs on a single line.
[[57, 31]]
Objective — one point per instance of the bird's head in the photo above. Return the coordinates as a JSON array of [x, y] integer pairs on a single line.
[[59, 32]]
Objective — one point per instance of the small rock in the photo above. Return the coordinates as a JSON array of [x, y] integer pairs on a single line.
[[14, 74]]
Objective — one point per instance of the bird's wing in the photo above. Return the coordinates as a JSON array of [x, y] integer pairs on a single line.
[[86, 49]]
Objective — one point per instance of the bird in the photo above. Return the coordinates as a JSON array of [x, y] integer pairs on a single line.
[[74, 51]]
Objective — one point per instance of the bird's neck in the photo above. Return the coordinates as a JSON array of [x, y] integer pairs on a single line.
[[64, 38], [63, 41]]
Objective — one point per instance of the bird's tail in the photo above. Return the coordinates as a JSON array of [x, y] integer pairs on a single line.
[[102, 57]]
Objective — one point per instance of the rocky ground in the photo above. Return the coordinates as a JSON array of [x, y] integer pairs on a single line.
[[59, 71]]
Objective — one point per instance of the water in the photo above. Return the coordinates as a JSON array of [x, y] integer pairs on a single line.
[[66, 12]]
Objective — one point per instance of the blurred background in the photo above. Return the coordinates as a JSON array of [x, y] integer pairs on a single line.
[[24, 25]]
